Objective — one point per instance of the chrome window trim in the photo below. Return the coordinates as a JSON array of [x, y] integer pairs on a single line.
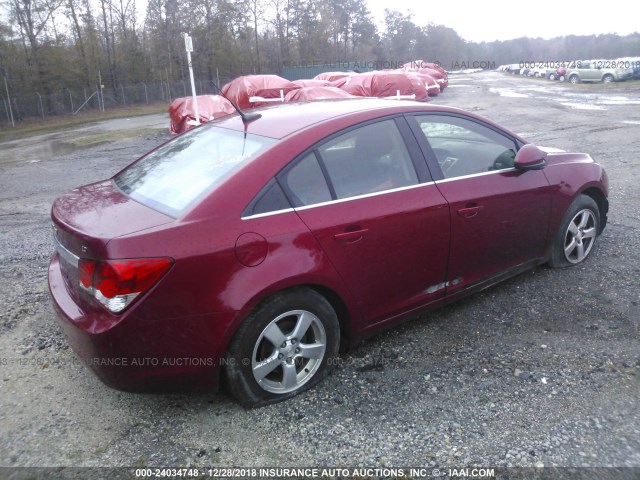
[[366, 195], [68, 256], [473, 175], [340, 200], [268, 214]]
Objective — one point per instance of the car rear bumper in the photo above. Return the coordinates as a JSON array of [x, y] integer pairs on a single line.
[[142, 355]]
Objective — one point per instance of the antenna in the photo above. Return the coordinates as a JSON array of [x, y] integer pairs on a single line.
[[246, 117]]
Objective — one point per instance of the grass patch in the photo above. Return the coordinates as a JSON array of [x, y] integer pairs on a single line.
[[53, 124]]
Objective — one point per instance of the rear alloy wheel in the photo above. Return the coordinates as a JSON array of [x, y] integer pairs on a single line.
[[574, 79], [577, 234], [284, 347], [608, 78], [552, 76]]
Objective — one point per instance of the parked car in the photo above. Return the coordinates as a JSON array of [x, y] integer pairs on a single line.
[[428, 68], [252, 91], [386, 84], [596, 71], [538, 71], [513, 69], [561, 74], [550, 74], [306, 94], [182, 112], [255, 247], [630, 62]]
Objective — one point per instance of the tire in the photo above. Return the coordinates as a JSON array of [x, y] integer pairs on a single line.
[[608, 78], [578, 232], [552, 76], [574, 79], [259, 371]]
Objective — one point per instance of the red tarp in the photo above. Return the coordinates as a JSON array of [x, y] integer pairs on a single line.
[[315, 93], [242, 89], [386, 84], [332, 76], [418, 64], [429, 68], [311, 83], [183, 114], [433, 88]]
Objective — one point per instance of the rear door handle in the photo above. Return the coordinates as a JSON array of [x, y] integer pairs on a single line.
[[470, 211], [351, 236]]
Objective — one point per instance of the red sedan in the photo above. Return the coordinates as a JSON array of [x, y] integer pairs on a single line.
[[256, 248]]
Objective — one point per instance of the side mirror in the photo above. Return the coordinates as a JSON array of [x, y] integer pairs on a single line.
[[530, 157]]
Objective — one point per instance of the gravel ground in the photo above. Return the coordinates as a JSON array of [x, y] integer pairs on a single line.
[[541, 370]]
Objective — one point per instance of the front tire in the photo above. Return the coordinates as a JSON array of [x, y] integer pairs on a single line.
[[608, 78], [286, 346], [578, 233], [574, 79]]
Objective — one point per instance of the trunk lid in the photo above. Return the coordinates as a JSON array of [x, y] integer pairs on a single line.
[[87, 218]]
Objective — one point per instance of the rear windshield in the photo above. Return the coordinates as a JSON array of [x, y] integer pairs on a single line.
[[176, 175]]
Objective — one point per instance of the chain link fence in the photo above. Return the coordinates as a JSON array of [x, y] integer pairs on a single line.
[[18, 108]]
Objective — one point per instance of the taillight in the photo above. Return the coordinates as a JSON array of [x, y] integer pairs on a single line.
[[116, 283]]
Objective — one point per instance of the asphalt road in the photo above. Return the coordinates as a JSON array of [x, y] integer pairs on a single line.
[[542, 370]]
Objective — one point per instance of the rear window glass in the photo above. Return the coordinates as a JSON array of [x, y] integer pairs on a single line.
[[177, 174]]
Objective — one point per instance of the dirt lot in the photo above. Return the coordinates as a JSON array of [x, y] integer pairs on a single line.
[[542, 370]]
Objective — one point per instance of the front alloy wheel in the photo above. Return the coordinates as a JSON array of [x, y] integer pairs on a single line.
[[578, 232], [580, 235], [287, 345]]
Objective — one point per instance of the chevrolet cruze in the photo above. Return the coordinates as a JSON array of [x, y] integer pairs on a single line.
[[253, 248]]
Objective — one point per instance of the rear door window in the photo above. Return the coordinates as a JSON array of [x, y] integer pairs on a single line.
[[368, 159]]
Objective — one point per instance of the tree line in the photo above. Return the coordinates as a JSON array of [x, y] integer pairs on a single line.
[[50, 45]]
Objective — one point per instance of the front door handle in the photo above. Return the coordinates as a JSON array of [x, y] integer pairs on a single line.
[[352, 236], [470, 211]]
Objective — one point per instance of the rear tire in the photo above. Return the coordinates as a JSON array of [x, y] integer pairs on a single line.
[[286, 346], [578, 232], [608, 78], [574, 79]]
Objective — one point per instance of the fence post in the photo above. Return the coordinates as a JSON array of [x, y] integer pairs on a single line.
[[6, 86], [70, 99], [124, 99], [146, 95], [162, 85], [41, 107], [166, 71]]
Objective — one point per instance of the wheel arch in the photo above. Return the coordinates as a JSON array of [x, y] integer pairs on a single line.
[[341, 309], [603, 204], [231, 376], [337, 302]]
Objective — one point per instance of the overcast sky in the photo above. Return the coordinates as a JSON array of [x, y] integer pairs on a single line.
[[488, 20]]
